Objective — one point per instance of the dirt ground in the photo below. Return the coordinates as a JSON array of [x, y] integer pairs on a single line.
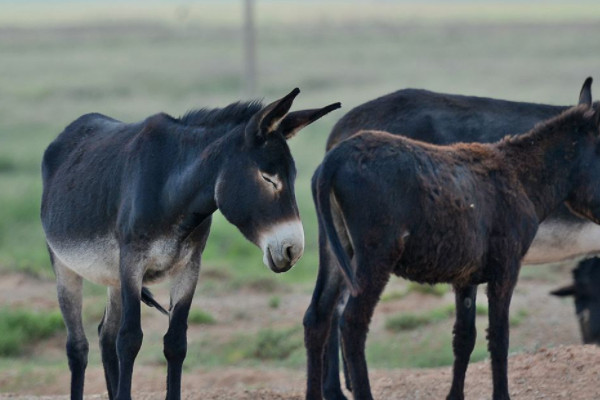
[[552, 364], [565, 372]]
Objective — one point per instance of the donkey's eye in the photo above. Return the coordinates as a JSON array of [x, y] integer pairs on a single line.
[[271, 179]]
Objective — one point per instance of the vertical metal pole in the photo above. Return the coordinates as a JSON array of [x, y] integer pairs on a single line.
[[249, 50]]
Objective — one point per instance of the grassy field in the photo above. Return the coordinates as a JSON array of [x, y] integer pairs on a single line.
[[61, 60], [170, 60]]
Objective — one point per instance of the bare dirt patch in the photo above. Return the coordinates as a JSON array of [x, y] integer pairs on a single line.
[[538, 371], [565, 372]]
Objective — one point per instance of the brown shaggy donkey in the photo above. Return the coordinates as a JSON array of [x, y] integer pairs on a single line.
[[464, 214]]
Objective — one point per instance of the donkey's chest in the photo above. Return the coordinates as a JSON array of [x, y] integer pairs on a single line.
[[97, 260]]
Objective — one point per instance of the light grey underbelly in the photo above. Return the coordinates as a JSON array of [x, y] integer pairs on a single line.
[[559, 241], [98, 260]]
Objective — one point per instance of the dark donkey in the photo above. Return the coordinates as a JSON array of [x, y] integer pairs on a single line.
[[586, 293], [125, 205], [440, 118], [464, 214], [444, 119]]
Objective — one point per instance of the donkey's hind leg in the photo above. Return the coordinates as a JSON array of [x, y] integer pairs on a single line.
[[332, 385], [69, 289], [464, 338], [107, 334], [355, 320], [318, 323]]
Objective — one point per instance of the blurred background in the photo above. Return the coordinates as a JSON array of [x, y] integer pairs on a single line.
[[130, 59]]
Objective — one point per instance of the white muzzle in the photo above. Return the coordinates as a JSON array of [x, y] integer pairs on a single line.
[[283, 245]]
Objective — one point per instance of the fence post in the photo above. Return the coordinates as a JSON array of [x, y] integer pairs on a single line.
[[249, 50]]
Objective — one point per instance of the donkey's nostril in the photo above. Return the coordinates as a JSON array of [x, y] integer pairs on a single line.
[[289, 253]]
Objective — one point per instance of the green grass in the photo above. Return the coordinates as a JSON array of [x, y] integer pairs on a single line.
[[426, 347], [517, 317], [21, 328], [274, 344], [481, 309], [199, 317], [274, 302], [409, 321], [428, 350], [433, 290], [393, 295], [279, 346]]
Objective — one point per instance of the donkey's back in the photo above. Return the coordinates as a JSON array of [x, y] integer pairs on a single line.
[[81, 135], [442, 118]]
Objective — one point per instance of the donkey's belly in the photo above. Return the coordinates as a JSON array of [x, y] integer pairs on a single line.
[[95, 260], [558, 241], [98, 260]]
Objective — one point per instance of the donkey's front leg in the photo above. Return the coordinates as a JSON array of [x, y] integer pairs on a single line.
[[499, 295], [464, 338], [175, 340], [129, 339]]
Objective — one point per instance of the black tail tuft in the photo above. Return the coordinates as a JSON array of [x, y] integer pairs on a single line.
[[148, 298]]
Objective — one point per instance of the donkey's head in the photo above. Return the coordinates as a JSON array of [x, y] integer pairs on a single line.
[[255, 187], [585, 196], [584, 289]]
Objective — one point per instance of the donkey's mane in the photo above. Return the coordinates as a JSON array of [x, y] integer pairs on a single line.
[[231, 115], [568, 121]]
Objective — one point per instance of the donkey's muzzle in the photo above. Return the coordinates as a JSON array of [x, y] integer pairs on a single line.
[[283, 245]]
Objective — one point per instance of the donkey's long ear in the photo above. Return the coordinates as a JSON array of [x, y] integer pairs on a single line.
[[268, 118], [564, 291], [585, 96], [297, 120]]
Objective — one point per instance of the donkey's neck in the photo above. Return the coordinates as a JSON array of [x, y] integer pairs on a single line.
[[191, 187], [205, 137], [544, 159]]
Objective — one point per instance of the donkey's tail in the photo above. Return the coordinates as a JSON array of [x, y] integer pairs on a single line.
[[148, 298], [323, 178]]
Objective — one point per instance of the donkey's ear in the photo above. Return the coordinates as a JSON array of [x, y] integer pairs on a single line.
[[585, 96], [564, 291], [297, 120], [268, 118]]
